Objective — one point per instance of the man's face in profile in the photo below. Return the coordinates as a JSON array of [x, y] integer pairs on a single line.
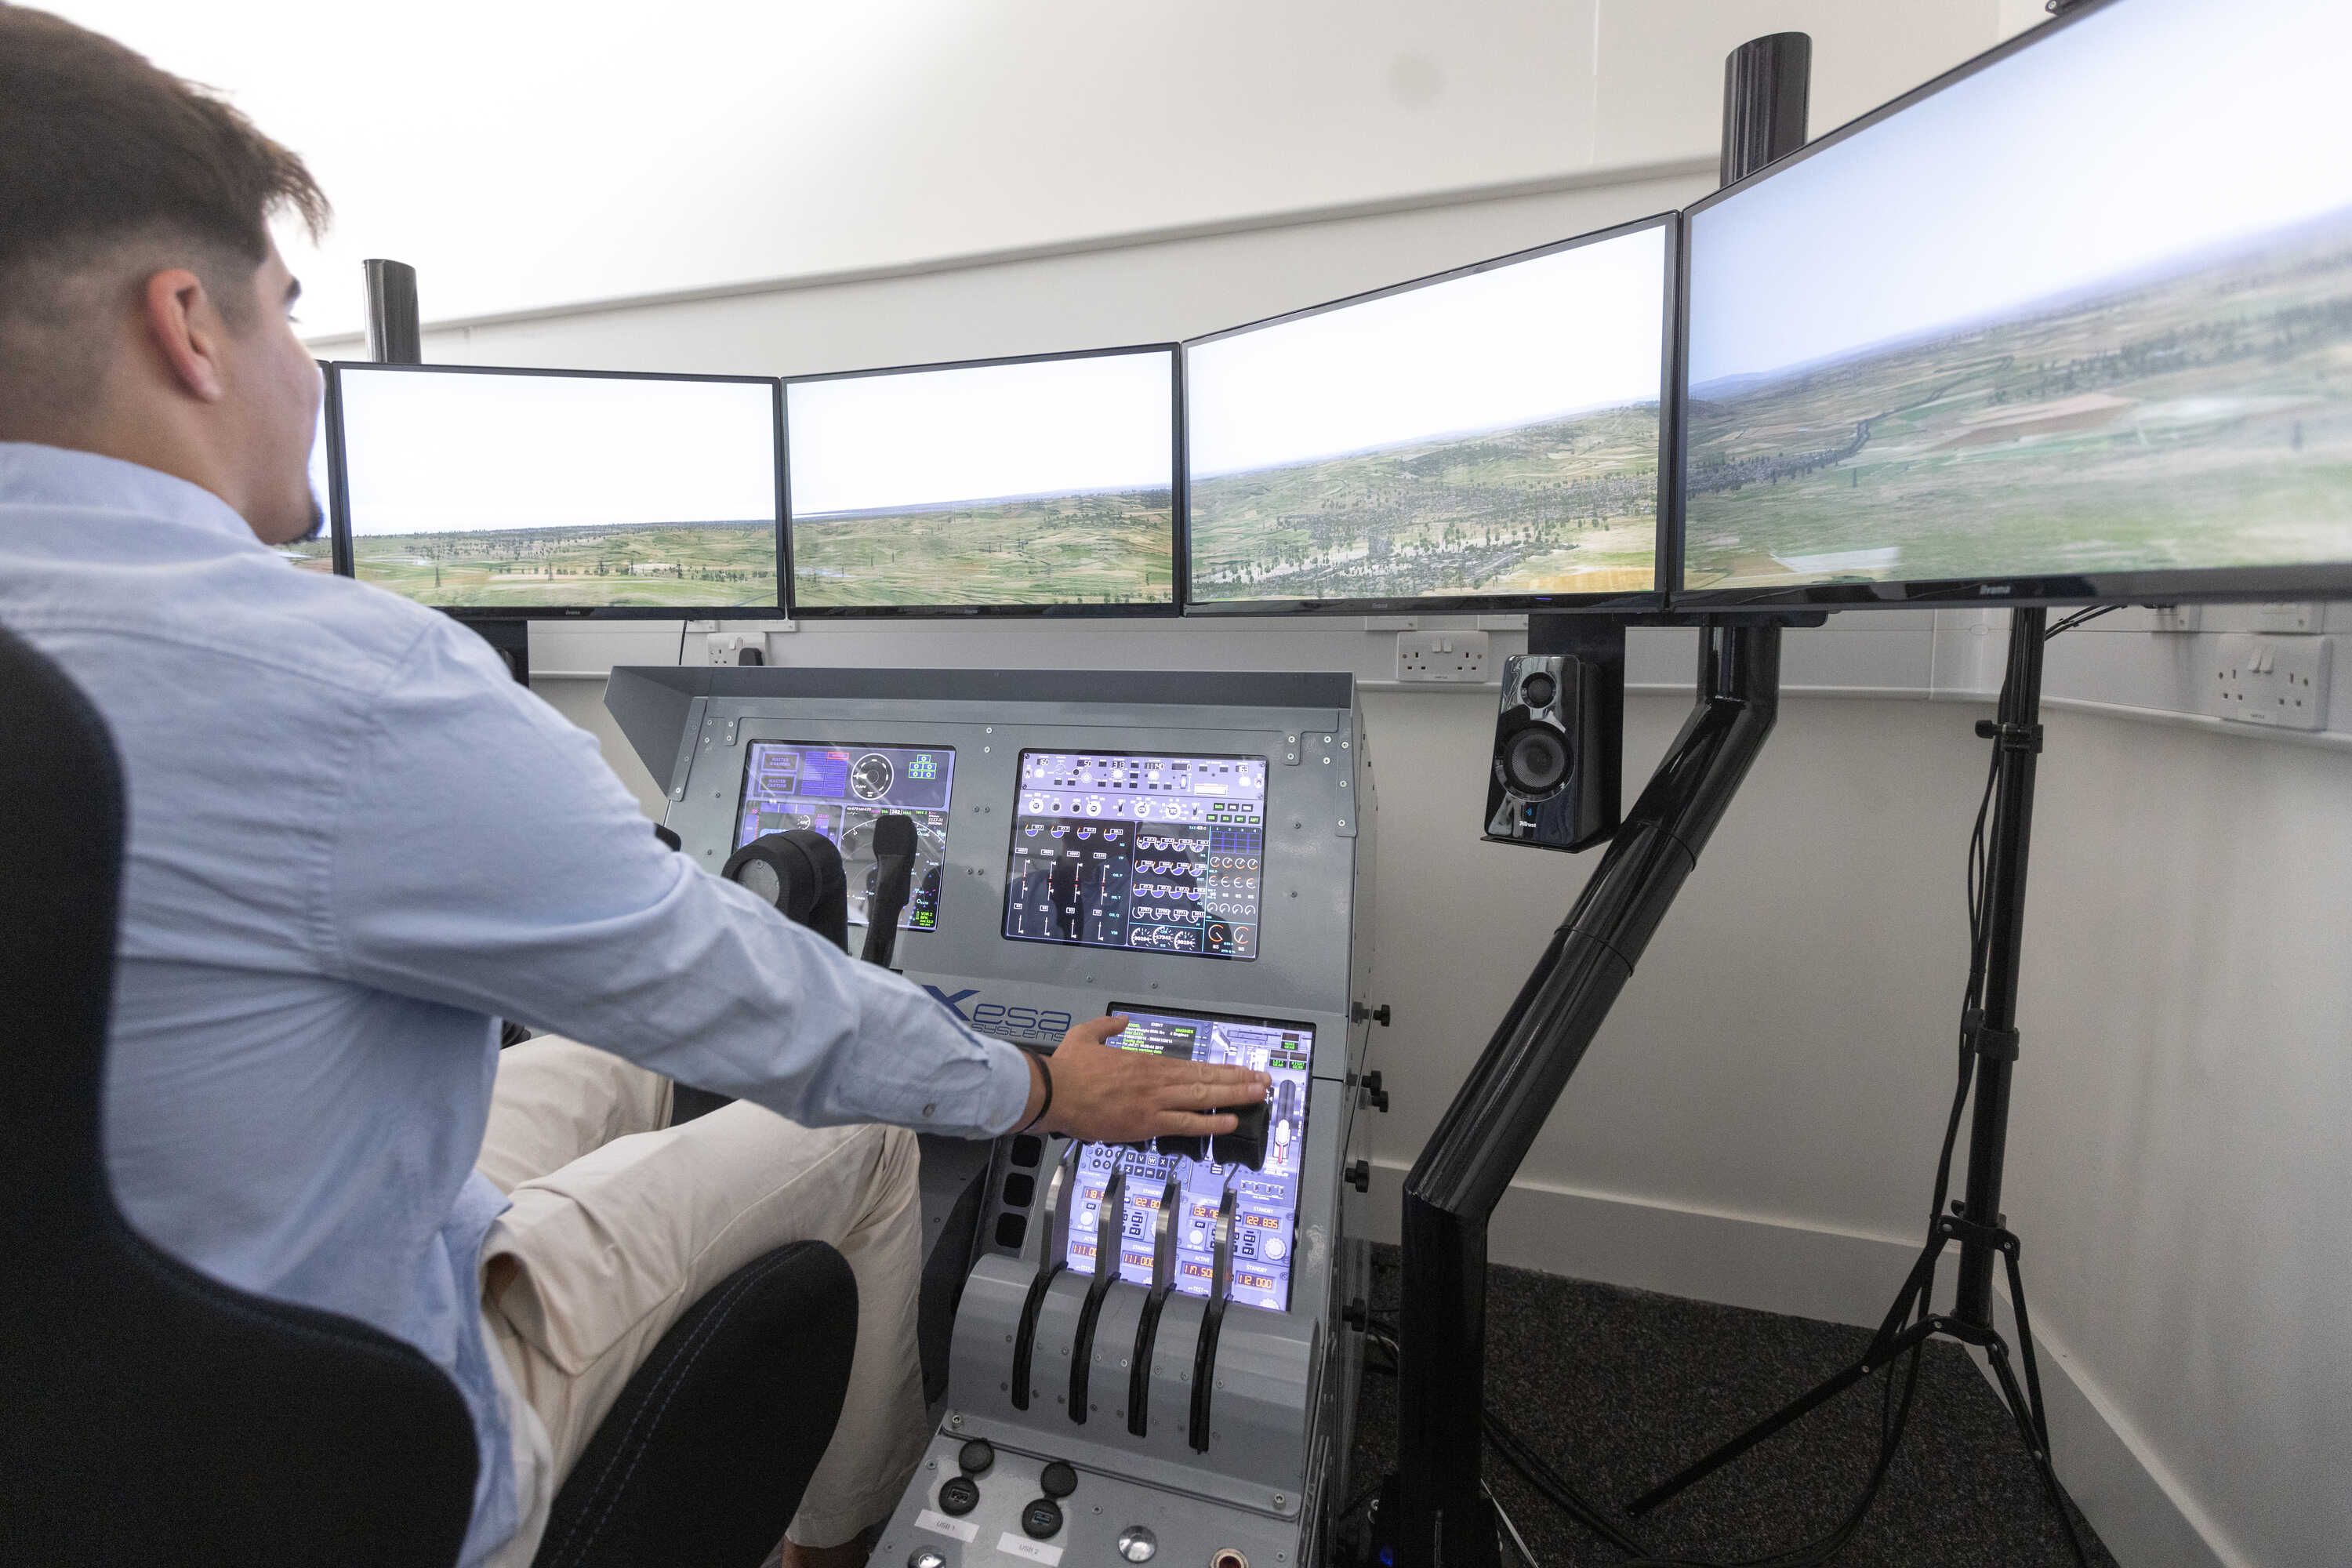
[[276, 391]]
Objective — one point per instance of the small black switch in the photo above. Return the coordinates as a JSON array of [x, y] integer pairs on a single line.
[[958, 1495], [976, 1456], [1059, 1480], [1042, 1518]]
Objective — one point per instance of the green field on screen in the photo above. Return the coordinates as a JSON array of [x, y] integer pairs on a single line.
[[2198, 416], [716, 565]]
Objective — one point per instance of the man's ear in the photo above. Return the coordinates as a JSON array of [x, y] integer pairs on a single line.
[[185, 327]]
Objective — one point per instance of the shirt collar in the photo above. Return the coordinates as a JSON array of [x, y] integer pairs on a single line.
[[33, 475]]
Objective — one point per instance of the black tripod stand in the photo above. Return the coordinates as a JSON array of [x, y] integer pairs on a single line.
[[1975, 1224]]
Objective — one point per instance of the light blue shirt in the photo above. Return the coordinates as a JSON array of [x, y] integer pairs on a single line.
[[354, 842]]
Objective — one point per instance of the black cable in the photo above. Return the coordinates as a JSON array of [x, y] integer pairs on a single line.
[[682, 625]]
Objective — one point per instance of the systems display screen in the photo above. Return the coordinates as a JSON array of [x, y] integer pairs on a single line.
[[840, 790], [2086, 311], [1265, 1201], [1161, 854], [1026, 484], [534, 492], [1492, 433]]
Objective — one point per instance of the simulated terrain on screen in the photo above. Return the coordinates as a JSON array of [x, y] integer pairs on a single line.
[[719, 564], [1108, 547], [517, 491], [1049, 483], [1983, 360], [1490, 433]]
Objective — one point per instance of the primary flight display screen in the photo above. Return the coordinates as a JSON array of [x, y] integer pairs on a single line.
[[1153, 853], [1029, 484], [2039, 332], [537, 491], [1490, 433], [840, 790], [1265, 1201]]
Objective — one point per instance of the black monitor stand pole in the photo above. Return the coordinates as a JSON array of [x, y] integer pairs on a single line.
[[1435, 1512], [1976, 1223]]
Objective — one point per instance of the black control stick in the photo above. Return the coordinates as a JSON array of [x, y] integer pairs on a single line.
[[894, 880], [800, 872]]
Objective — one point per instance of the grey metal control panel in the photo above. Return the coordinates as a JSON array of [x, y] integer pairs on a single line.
[[1162, 1335]]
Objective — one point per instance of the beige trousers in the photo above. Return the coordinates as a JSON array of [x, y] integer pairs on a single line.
[[620, 1223]]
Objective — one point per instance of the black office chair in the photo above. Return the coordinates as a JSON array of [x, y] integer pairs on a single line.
[[149, 1413]]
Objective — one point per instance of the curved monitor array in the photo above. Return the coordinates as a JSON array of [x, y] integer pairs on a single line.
[[2071, 323]]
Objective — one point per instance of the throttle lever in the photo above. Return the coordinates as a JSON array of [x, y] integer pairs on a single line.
[[1061, 1197], [1110, 1252], [1165, 1229], [1204, 1358]]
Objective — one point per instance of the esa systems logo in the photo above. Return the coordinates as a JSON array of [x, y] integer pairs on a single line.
[[1000, 1018]]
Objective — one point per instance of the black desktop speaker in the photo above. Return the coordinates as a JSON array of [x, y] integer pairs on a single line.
[[1559, 748]]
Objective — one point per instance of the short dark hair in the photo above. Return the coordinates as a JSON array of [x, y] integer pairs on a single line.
[[102, 146], [113, 170]]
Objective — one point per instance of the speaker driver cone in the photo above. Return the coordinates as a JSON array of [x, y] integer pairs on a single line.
[[1536, 761]]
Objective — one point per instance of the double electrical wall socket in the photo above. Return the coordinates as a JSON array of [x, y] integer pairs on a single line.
[[2278, 681], [1451, 658]]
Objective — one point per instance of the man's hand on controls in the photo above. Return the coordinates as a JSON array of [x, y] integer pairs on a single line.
[[1112, 1096]]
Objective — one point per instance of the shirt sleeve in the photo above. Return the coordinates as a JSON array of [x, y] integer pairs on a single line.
[[486, 858]]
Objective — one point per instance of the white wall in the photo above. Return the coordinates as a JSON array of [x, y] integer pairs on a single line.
[[530, 154]]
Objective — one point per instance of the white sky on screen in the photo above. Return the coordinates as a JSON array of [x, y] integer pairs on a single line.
[[2155, 128], [1576, 329], [920, 437], [460, 453]]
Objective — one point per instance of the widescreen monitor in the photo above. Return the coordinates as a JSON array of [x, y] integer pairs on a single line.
[[533, 492], [1045, 485], [2071, 323], [1490, 437]]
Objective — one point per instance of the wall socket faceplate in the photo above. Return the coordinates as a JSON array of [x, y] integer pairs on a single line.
[[2278, 681], [727, 647], [1450, 658]]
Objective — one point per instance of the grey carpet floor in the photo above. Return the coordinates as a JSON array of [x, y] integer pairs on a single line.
[[1618, 1389]]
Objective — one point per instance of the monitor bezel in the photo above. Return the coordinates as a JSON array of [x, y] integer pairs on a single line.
[[2169, 586], [339, 505], [1031, 611], [1627, 601]]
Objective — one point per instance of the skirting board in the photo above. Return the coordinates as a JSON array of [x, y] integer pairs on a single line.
[[2140, 1509]]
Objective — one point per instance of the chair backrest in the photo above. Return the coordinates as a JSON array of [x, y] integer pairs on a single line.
[[147, 1413]]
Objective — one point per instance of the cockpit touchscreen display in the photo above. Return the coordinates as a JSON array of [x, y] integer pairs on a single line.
[[1158, 854], [1265, 1201], [840, 790]]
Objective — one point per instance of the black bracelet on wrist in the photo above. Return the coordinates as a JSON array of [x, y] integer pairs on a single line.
[[1047, 1074]]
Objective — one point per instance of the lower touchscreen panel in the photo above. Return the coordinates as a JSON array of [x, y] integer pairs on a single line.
[[1265, 1202], [1159, 854], [840, 790]]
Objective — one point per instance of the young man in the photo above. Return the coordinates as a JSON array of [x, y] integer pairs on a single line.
[[353, 842]]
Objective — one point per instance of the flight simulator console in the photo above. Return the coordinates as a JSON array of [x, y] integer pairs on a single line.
[[1187, 850]]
